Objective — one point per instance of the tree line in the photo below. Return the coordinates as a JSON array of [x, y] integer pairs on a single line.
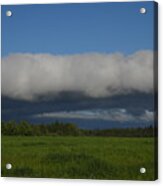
[[25, 128]]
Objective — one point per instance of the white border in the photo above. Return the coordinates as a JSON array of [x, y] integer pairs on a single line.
[[5, 2]]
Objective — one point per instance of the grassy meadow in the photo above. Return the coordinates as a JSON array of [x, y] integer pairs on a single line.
[[78, 157]]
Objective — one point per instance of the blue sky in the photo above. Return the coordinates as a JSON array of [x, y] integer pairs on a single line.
[[107, 83], [77, 28]]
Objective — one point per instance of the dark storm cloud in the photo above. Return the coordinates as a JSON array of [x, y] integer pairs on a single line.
[[75, 104]]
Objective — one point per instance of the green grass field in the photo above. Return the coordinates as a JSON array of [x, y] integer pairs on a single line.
[[78, 157]]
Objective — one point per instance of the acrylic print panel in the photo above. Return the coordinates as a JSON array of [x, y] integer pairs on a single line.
[[79, 91]]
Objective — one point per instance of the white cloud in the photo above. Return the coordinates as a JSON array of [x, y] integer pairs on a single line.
[[147, 116], [119, 115], [27, 76], [112, 114]]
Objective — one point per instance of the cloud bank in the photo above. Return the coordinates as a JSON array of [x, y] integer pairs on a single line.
[[119, 115], [28, 76]]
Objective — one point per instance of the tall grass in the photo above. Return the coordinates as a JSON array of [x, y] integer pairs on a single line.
[[78, 157]]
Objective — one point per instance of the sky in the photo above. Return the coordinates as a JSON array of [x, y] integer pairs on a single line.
[[91, 64], [77, 28]]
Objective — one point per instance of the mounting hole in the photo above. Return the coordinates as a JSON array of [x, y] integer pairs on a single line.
[[8, 13], [143, 10], [8, 166], [142, 170]]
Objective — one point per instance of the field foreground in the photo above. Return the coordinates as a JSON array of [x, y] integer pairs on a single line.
[[78, 157]]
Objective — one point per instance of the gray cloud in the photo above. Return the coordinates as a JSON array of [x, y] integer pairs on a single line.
[[119, 115], [28, 76]]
